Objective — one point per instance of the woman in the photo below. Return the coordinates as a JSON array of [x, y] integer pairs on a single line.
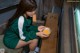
[[20, 32]]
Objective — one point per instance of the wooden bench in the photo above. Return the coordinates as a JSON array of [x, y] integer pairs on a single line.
[[50, 44]]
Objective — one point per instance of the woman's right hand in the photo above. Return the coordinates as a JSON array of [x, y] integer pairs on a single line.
[[41, 34]]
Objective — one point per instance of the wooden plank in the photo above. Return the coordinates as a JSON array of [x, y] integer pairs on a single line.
[[73, 1], [49, 45], [58, 3], [44, 6]]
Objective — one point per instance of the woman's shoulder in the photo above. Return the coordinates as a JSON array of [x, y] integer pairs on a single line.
[[19, 19]]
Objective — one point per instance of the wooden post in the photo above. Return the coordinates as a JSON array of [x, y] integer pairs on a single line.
[[49, 45]]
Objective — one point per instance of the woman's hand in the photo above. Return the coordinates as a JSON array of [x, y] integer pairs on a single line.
[[41, 28], [41, 34]]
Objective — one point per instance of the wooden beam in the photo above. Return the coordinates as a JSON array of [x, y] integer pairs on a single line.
[[50, 44], [72, 1]]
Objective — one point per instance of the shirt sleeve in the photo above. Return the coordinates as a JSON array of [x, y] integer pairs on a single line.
[[29, 35], [33, 28], [23, 33]]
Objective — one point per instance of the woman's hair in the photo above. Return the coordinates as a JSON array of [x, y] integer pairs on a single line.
[[23, 6]]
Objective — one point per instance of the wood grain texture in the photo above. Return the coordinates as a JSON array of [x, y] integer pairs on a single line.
[[49, 45]]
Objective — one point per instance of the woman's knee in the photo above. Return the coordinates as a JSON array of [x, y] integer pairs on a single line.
[[34, 41], [22, 43], [33, 44]]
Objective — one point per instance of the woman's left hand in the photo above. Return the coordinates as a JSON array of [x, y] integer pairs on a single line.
[[41, 28]]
